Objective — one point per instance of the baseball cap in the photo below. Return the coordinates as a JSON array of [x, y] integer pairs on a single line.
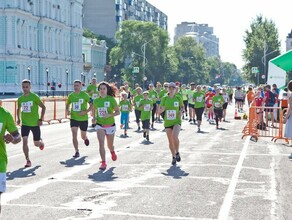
[[172, 84], [145, 92]]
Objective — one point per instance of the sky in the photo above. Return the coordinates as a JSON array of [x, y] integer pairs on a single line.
[[229, 19]]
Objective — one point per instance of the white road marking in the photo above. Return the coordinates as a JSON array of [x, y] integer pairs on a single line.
[[227, 203]]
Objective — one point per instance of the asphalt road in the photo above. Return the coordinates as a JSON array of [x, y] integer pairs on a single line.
[[220, 176]]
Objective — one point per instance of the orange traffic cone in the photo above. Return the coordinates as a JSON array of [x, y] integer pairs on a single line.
[[236, 116]]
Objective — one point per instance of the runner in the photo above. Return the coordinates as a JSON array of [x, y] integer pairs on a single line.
[[230, 93], [146, 106], [78, 100], [199, 105], [93, 93], [218, 102], [190, 94], [125, 109], [270, 100], [239, 96], [6, 124], [184, 93], [173, 107], [106, 108], [158, 101], [136, 104], [226, 101], [153, 96], [29, 104], [209, 105], [250, 96], [163, 93]]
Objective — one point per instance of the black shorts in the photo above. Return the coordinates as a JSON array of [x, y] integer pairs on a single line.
[[218, 113], [269, 109], [146, 124], [225, 105], [83, 125], [191, 105], [171, 127], [36, 132], [238, 100], [199, 113]]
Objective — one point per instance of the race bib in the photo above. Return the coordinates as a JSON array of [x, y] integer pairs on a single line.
[[107, 104], [1, 125], [137, 104], [147, 107], [94, 96], [217, 105], [199, 99], [26, 106], [76, 106], [175, 104], [210, 102], [102, 111], [81, 101], [170, 114], [125, 107]]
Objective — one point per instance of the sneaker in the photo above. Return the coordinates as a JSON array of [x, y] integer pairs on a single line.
[[199, 129], [290, 157], [139, 128], [152, 126], [114, 156], [86, 142], [147, 137], [28, 163], [77, 154], [183, 117], [42, 146], [125, 134], [103, 165], [195, 122], [177, 157], [173, 162], [93, 125], [190, 120], [144, 134]]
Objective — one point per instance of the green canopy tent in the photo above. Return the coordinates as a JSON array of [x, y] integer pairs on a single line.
[[278, 67]]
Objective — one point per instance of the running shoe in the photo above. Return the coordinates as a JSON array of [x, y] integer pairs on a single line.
[[28, 163], [114, 156], [77, 154], [173, 162], [139, 128], [93, 125], [290, 157], [190, 120], [195, 122], [103, 165], [42, 146], [183, 117], [144, 134], [199, 129], [86, 142], [177, 157], [147, 137], [152, 126]]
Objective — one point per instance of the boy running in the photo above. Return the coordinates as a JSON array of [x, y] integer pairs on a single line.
[[199, 105], [93, 93], [28, 104], [136, 103], [125, 108], [146, 106], [218, 102]]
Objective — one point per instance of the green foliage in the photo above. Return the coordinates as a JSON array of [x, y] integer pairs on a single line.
[[262, 32]]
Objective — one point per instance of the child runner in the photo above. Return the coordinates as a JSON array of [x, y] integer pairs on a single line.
[[199, 105], [78, 100], [6, 124], [93, 93], [153, 96], [125, 108], [184, 93], [146, 106], [106, 108], [218, 102], [173, 107], [209, 104], [136, 103], [29, 104]]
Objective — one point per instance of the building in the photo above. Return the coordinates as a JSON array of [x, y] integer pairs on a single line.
[[94, 58], [202, 33], [104, 17], [40, 40], [289, 41]]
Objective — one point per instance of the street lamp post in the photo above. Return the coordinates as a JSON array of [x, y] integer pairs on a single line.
[[144, 59], [67, 78], [28, 72], [264, 59], [47, 72]]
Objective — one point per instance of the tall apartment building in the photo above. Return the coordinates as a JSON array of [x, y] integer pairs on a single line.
[[40, 40], [289, 41], [104, 17], [202, 33]]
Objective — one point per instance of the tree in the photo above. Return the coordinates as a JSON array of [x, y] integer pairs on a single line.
[[262, 44], [131, 39]]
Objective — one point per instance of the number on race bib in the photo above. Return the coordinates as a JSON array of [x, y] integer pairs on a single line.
[[199, 99], [26, 107], [137, 104], [171, 114], [102, 112], [175, 104], [147, 107], [94, 96], [210, 102], [125, 107], [1, 125], [217, 105], [76, 106]]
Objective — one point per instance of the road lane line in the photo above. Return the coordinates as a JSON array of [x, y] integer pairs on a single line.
[[227, 203]]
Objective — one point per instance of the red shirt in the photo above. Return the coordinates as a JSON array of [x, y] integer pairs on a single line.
[[209, 96], [259, 101]]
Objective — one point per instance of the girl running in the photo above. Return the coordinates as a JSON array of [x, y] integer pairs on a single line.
[[125, 109], [173, 107], [136, 103], [218, 102]]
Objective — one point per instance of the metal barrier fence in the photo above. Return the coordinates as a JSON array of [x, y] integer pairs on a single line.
[[265, 122]]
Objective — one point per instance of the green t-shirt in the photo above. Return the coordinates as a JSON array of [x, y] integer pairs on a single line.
[[163, 93], [146, 109], [153, 95], [172, 107], [218, 101], [137, 100], [29, 109], [79, 102], [104, 106], [190, 96], [92, 91], [6, 124], [184, 93], [199, 99], [125, 106]]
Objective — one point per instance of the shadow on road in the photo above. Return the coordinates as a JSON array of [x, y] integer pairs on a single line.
[[22, 173], [74, 162], [175, 172], [102, 176]]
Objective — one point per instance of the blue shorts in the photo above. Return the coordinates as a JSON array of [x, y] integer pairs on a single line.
[[125, 119]]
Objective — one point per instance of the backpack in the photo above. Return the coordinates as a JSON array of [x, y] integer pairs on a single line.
[[272, 99]]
